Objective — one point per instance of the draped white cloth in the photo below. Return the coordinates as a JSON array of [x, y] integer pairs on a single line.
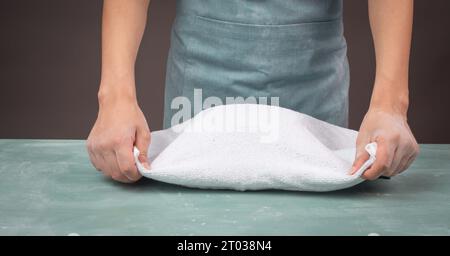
[[254, 147]]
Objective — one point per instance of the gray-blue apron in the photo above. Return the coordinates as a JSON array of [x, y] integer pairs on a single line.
[[291, 49]]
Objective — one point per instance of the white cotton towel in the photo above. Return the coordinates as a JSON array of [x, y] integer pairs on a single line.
[[253, 147]]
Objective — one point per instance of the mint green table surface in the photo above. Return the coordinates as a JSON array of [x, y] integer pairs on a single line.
[[48, 187]]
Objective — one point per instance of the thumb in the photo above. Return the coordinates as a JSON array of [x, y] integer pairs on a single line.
[[142, 143], [361, 157]]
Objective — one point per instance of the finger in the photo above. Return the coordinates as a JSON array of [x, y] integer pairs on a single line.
[[404, 153], [94, 160], [92, 156], [97, 150], [361, 157], [101, 166], [416, 151], [408, 163], [100, 162], [409, 156], [397, 162], [113, 169], [384, 156], [403, 165], [125, 162], [142, 143]]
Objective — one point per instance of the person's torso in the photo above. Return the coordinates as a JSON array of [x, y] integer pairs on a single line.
[[291, 49]]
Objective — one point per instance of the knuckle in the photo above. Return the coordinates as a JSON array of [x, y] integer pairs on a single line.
[[116, 141], [90, 152], [120, 140], [405, 144], [102, 146], [395, 137], [92, 146]]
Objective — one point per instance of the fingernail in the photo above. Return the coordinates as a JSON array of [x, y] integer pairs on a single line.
[[144, 161], [352, 170], [146, 165]]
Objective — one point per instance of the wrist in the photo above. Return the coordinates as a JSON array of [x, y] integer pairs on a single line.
[[391, 97], [117, 92]]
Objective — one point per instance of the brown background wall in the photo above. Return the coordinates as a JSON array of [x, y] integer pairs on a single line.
[[49, 67]]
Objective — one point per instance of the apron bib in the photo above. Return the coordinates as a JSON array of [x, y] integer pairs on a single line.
[[291, 49]]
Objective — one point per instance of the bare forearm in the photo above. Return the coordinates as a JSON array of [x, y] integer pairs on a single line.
[[385, 122], [391, 24], [120, 124], [123, 24]]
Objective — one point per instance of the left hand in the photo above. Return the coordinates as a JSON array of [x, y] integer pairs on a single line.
[[397, 147]]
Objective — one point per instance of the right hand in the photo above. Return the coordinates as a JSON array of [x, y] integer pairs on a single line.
[[120, 125]]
